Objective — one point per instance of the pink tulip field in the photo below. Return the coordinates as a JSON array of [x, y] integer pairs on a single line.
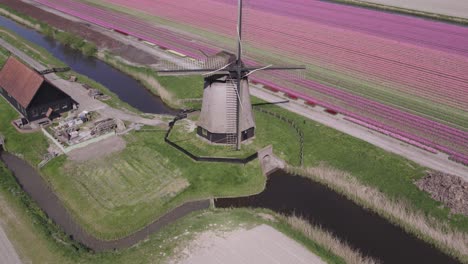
[[403, 76]]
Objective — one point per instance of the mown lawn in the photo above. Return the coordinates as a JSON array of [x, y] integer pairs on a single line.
[[269, 131], [116, 195]]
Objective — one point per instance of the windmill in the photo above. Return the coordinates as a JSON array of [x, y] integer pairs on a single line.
[[226, 114]]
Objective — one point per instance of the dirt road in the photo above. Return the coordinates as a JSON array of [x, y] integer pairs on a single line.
[[261, 244], [7, 251]]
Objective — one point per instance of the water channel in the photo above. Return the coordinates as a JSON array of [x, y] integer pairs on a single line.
[[362, 229], [33, 184], [284, 193], [127, 89]]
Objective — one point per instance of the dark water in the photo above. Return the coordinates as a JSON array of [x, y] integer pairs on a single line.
[[128, 89], [33, 184], [364, 230]]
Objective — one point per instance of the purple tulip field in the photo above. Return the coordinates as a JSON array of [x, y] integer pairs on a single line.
[[402, 76]]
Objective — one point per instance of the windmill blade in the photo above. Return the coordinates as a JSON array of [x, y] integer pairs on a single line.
[[280, 73], [203, 73], [195, 71], [272, 67]]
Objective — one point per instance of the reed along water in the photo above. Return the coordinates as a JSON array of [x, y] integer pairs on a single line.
[[361, 229]]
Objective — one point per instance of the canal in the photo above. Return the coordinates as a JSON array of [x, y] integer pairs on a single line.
[[35, 186], [361, 229], [127, 89]]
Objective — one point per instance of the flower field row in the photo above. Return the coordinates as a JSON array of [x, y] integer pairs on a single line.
[[403, 75], [391, 134]]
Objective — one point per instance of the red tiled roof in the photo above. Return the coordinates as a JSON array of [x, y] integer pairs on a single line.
[[20, 81]]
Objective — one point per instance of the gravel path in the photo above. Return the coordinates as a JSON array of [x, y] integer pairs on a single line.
[[456, 8], [261, 244], [7, 251]]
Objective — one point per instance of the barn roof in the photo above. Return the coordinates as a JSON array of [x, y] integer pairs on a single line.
[[20, 81]]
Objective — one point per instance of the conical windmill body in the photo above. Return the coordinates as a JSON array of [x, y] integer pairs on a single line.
[[220, 119], [226, 116]]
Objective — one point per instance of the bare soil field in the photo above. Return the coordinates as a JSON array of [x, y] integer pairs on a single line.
[[456, 8], [98, 149], [261, 244]]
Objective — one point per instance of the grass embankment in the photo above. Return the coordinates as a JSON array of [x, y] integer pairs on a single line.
[[176, 92], [327, 240], [25, 222]]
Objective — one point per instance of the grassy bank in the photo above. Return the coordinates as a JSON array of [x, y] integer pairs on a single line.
[[173, 90], [327, 240], [446, 238], [24, 222]]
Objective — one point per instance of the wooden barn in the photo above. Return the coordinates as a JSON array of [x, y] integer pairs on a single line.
[[30, 93]]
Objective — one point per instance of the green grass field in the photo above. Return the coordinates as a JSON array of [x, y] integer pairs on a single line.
[[269, 131], [24, 222], [116, 195]]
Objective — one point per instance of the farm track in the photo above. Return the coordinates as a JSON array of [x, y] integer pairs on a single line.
[[425, 60]]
